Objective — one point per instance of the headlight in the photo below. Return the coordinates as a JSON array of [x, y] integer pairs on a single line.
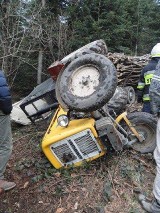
[[63, 121]]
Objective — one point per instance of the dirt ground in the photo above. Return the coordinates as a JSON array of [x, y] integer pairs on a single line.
[[105, 185]]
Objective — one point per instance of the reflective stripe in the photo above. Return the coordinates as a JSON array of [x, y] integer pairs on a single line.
[[140, 85], [156, 55], [146, 97], [148, 78]]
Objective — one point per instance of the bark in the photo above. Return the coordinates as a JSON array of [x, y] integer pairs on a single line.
[[40, 66], [43, 3]]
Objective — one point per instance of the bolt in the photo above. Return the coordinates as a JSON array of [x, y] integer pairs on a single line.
[[84, 82]]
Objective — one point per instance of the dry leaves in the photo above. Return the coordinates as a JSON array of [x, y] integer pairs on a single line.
[[26, 184]]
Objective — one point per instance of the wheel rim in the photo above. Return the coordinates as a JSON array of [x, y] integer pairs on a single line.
[[131, 95], [149, 136], [84, 81]]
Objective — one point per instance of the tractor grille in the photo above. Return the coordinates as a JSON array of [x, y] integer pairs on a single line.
[[78, 147]]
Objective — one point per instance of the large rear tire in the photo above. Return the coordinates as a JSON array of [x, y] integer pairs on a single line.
[[87, 83], [145, 124]]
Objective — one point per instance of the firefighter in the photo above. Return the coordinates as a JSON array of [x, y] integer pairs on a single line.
[[154, 206], [145, 79]]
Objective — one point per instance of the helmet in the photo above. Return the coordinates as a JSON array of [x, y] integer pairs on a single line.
[[156, 50]]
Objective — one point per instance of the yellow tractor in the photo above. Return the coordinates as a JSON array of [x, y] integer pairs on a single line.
[[86, 125]]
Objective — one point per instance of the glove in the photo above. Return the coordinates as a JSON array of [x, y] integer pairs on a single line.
[[6, 106]]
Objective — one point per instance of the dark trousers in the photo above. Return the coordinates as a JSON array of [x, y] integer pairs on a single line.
[[146, 107]]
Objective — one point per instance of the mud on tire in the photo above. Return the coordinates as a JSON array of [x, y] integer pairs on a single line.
[[87, 83]]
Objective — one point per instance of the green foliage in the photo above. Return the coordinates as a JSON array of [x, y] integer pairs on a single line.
[[126, 26], [60, 27]]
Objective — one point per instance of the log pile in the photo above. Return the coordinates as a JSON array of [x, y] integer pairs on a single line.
[[128, 67]]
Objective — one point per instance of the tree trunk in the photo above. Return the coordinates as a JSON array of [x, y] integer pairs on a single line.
[[40, 65], [43, 3]]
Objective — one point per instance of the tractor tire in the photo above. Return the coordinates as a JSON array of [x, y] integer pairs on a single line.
[[87, 83], [119, 100], [98, 46], [58, 95], [131, 95], [145, 124]]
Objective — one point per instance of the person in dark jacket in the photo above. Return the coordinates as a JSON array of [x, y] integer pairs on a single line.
[[5, 131], [145, 79]]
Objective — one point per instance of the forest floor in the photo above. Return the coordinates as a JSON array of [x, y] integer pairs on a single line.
[[105, 185]]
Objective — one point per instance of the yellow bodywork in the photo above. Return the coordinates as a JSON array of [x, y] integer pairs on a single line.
[[56, 133], [123, 116]]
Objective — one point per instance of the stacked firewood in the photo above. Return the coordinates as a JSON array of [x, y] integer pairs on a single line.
[[128, 67]]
